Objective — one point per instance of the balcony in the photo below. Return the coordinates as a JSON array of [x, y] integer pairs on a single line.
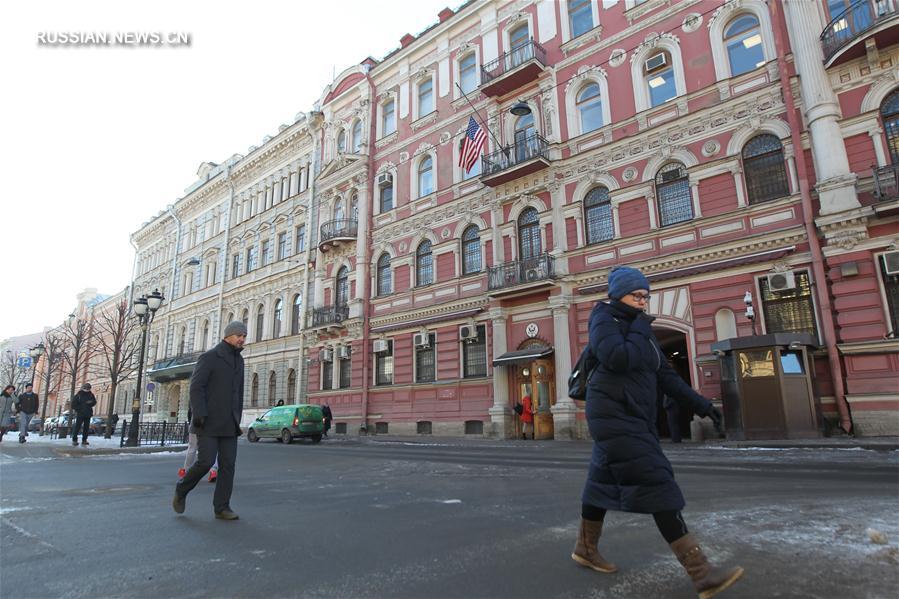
[[533, 272], [886, 183], [864, 19], [522, 158], [329, 316], [520, 65], [174, 368], [337, 232]]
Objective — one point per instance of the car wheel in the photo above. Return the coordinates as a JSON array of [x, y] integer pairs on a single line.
[[252, 437], [316, 438], [286, 437]]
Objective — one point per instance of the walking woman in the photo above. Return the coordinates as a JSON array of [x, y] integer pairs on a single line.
[[628, 471]]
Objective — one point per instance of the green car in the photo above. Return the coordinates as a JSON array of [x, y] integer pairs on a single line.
[[288, 422]]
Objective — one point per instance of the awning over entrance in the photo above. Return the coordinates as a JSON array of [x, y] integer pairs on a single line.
[[172, 369], [523, 355]]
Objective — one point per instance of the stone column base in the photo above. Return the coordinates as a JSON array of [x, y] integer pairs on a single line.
[[501, 423], [564, 421]]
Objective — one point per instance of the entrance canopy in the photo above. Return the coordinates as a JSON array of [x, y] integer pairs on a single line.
[[523, 355]]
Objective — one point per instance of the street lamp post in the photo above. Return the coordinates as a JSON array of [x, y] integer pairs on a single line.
[[36, 352], [145, 308]]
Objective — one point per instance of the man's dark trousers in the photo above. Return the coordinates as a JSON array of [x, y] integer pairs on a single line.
[[207, 449], [81, 423]]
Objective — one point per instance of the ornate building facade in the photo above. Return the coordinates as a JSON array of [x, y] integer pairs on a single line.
[[722, 147]]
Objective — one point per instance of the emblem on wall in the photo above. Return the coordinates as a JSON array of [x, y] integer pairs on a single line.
[[532, 330]]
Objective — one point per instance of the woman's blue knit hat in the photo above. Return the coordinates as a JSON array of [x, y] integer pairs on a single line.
[[624, 280]]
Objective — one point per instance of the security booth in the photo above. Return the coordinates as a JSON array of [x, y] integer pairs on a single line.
[[767, 386]]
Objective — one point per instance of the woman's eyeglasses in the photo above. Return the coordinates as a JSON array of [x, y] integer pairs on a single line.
[[640, 297]]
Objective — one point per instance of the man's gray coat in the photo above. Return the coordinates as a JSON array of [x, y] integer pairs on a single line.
[[216, 391]]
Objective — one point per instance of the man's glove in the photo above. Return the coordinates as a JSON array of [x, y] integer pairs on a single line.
[[199, 421], [717, 418]]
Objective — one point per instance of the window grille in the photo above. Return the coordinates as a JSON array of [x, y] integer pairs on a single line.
[[764, 169], [673, 193], [598, 215]]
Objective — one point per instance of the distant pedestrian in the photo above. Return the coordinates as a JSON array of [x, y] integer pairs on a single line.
[[672, 411], [191, 456], [327, 417], [7, 403], [216, 403], [628, 471], [27, 407], [527, 417], [83, 404], [280, 402]]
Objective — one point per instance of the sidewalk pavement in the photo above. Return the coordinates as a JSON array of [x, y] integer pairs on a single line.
[[98, 445]]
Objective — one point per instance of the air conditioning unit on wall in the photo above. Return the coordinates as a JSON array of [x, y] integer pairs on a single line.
[[468, 333], [343, 352], [782, 281], [891, 263], [659, 60], [385, 178], [325, 355], [421, 340], [379, 346]]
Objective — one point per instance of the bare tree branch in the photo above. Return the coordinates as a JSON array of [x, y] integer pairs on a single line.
[[118, 341]]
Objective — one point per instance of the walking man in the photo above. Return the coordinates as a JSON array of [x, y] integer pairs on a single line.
[[83, 404], [27, 407], [216, 403], [327, 416]]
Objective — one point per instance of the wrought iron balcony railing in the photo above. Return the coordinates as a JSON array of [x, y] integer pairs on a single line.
[[329, 315], [860, 17], [514, 58], [886, 183], [520, 272], [510, 156], [338, 229]]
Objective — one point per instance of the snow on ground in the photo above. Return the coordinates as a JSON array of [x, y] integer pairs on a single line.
[[94, 442]]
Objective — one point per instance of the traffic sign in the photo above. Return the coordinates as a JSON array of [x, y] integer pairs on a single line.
[[24, 362], [151, 386]]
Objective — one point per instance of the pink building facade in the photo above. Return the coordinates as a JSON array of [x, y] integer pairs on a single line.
[[721, 147]]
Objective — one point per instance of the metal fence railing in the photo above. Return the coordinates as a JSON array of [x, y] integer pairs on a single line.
[[157, 433], [860, 17]]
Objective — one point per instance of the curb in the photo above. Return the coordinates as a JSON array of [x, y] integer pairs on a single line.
[[74, 453]]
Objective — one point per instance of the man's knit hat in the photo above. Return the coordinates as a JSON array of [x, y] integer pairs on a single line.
[[624, 280], [235, 327]]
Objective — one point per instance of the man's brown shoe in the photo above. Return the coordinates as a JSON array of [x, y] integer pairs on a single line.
[[226, 514], [179, 503]]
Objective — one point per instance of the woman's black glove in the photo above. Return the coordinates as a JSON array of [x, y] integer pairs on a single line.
[[199, 421], [717, 418]]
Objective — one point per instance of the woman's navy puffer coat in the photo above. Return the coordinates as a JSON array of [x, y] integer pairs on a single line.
[[628, 470]]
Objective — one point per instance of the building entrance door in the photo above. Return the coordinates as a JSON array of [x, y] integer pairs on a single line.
[[673, 421], [536, 381]]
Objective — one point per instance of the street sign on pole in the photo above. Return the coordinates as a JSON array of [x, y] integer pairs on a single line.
[[24, 362], [151, 387]]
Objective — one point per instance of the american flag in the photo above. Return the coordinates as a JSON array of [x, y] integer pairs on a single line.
[[472, 144]]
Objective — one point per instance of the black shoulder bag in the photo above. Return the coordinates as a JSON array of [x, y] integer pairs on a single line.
[[580, 374]]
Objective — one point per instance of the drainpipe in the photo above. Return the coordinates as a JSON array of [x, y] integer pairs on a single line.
[[821, 290], [225, 248], [311, 240], [133, 272], [366, 266]]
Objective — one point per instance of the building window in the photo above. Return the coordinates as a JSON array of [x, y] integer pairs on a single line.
[[245, 317], [341, 141], [743, 40], [205, 338], [525, 137], [385, 195], [424, 264], [388, 118], [339, 212], [276, 321], [891, 288], [471, 250], [251, 258], [384, 365], [235, 266], [182, 340], [425, 362], [296, 314], [346, 373], [385, 275], [764, 169], [301, 239], [265, 249], [342, 287], [327, 375], [580, 17], [282, 246], [354, 208], [598, 215], [789, 311], [468, 73], [425, 97], [658, 75], [260, 321], [425, 176], [529, 243], [589, 107], [474, 354], [272, 388], [357, 137], [291, 386], [673, 194], [518, 46], [889, 112], [254, 391]]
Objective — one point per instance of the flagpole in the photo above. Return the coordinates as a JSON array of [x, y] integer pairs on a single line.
[[483, 123]]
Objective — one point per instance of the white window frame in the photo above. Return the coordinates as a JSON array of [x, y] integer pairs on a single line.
[[414, 176], [415, 358], [509, 27], [719, 22], [457, 70], [376, 191], [392, 97], [641, 93], [573, 115], [565, 24], [432, 77]]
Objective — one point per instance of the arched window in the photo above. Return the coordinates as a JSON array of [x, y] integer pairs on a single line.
[[182, 340], [589, 107], [658, 76], [341, 141], [764, 169], [276, 321], [471, 250], [519, 49], [580, 17], [529, 244], [272, 388], [339, 210], [525, 137], [296, 314], [425, 97], [342, 289], [254, 391], [385, 194], [743, 40], [354, 208], [385, 275], [468, 73], [245, 317], [260, 321], [230, 318], [889, 112], [291, 386], [598, 215], [205, 338], [673, 194], [388, 117], [424, 264], [357, 137], [725, 324], [425, 176]]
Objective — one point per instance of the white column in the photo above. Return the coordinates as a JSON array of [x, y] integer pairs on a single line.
[[877, 140], [791, 171], [836, 183], [650, 205], [738, 185], [616, 225], [565, 410], [500, 413], [694, 193], [498, 252]]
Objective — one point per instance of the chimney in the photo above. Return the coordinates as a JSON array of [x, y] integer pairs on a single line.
[[445, 14], [406, 40]]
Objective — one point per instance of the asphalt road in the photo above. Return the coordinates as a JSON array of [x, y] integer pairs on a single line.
[[432, 519]]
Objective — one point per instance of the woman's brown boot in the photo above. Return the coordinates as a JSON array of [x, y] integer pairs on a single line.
[[585, 552], [707, 579]]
